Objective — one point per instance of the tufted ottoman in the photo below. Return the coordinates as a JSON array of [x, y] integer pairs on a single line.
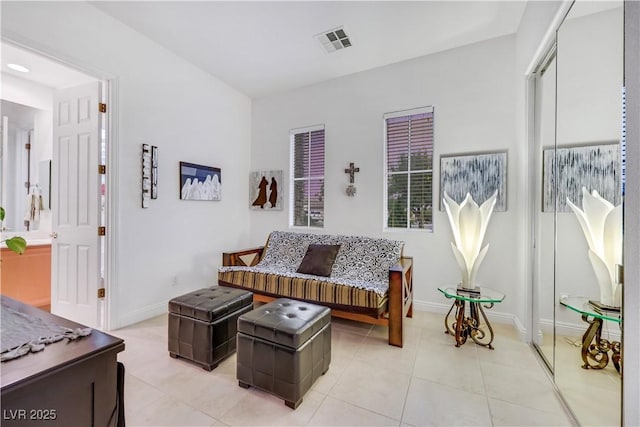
[[203, 324], [283, 347]]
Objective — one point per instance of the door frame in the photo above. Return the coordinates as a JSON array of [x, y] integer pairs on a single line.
[[107, 319]]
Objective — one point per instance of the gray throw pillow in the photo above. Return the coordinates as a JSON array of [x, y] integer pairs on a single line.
[[319, 259]]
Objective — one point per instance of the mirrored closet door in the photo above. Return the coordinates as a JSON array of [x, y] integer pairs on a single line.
[[578, 218]]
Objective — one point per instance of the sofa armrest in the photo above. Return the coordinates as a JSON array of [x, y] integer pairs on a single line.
[[400, 299], [245, 257]]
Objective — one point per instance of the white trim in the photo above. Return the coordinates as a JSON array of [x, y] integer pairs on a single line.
[[410, 112], [293, 179], [549, 37], [111, 203], [311, 128], [385, 175]]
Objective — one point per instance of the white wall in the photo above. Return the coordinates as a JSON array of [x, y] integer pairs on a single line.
[[174, 246], [471, 89]]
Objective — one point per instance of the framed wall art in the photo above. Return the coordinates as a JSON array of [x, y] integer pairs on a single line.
[[479, 174], [265, 190], [198, 182], [596, 167]]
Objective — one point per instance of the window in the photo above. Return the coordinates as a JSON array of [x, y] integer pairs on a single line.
[[409, 169], [306, 193]]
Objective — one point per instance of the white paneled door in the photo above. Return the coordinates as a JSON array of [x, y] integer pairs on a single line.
[[75, 205]]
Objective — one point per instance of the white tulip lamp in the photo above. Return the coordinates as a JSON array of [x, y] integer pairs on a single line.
[[601, 223], [469, 224]]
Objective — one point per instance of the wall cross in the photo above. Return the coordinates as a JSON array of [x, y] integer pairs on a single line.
[[352, 171]]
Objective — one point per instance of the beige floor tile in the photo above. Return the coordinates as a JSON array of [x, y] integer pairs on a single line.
[[431, 404], [138, 395], [378, 354], [526, 387], [345, 343], [428, 382], [350, 326], [449, 365], [334, 412], [166, 373], [507, 414], [216, 397], [411, 334], [377, 389], [337, 368], [510, 353], [168, 411], [259, 408]]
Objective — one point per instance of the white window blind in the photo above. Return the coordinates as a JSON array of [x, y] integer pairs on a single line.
[[409, 169], [306, 193]]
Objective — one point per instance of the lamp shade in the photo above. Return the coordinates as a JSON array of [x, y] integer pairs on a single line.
[[469, 224]]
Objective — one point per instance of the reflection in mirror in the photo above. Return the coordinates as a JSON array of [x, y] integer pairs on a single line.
[[26, 141], [544, 231], [588, 123]]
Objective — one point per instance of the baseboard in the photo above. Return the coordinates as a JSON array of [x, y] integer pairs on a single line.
[[139, 315], [523, 332]]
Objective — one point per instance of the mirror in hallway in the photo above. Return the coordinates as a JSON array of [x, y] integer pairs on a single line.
[[26, 143], [587, 155]]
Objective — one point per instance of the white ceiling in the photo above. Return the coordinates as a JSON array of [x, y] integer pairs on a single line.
[[42, 70], [265, 47]]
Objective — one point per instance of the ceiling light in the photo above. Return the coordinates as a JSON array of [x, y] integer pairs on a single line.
[[333, 40], [18, 67]]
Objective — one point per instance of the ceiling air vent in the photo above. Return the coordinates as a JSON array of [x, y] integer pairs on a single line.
[[333, 40]]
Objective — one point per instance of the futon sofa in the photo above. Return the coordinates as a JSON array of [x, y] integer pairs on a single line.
[[369, 280]]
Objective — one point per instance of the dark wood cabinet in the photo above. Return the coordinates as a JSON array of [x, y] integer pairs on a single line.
[[70, 383]]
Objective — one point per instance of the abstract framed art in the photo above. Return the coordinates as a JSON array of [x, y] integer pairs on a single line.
[[198, 182], [595, 167], [265, 190], [480, 174]]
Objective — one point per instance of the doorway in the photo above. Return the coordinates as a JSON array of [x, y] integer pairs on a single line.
[[41, 93]]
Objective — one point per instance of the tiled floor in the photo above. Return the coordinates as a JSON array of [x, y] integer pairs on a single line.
[[429, 382]]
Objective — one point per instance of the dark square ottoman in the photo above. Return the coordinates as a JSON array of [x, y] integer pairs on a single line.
[[203, 324], [283, 347]]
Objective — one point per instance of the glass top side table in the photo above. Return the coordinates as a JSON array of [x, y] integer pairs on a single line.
[[595, 349], [463, 326]]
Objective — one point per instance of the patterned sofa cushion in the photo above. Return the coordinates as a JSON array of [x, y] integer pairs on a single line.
[[362, 262]]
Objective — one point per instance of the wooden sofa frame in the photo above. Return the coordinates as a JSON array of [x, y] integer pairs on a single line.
[[399, 301]]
